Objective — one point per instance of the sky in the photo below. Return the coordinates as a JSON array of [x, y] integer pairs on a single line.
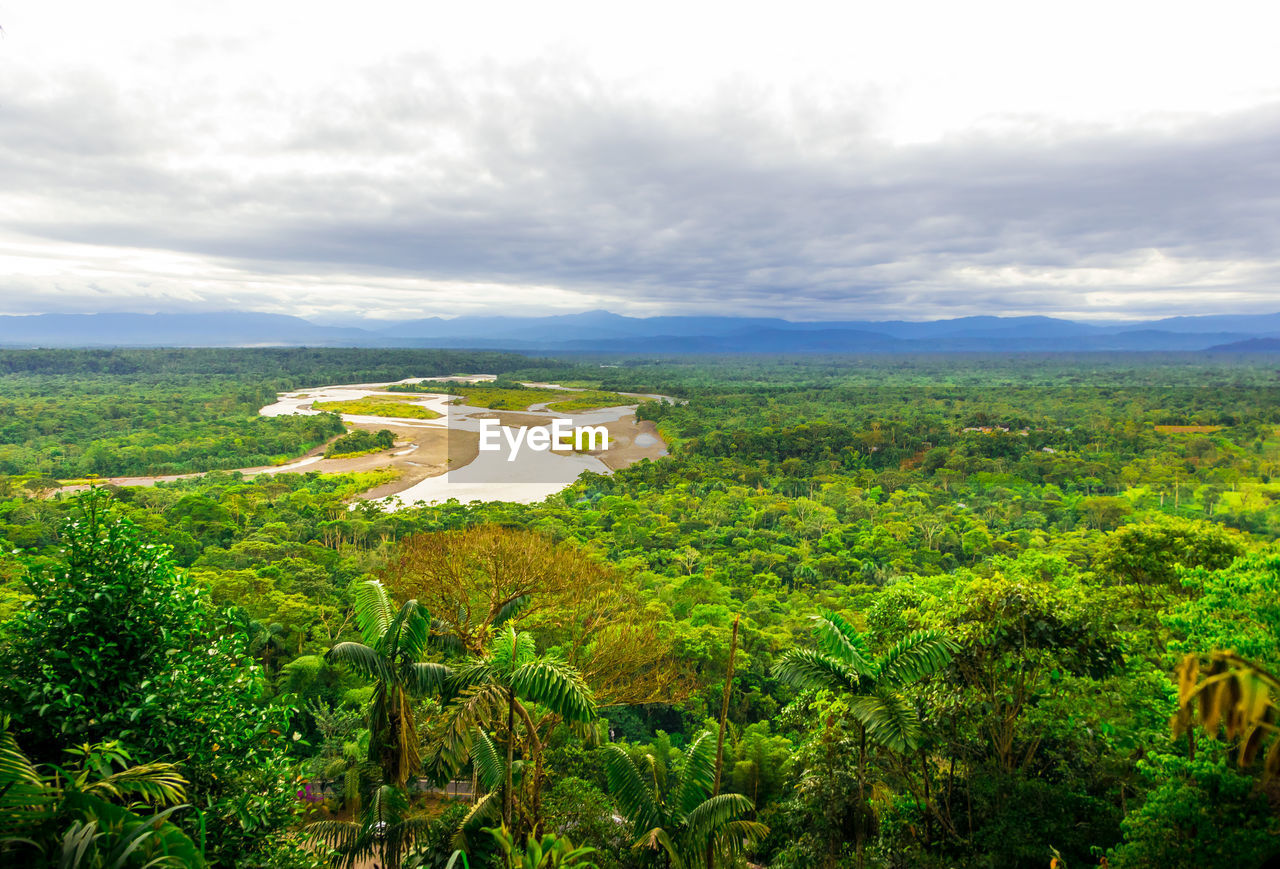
[[384, 161]]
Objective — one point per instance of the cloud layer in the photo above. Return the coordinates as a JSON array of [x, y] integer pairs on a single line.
[[410, 186]]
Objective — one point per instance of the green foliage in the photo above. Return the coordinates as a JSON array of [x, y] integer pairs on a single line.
[[359, 441], [386, 830], [1235, 607], [130, 648], [681, 819], [1072, 559], [391, 658], [433, 849], [548, 852], [1198, 813], [87, 815], [1151, 553], [491, 691], [84, 654], [581, 811], [843, 662]]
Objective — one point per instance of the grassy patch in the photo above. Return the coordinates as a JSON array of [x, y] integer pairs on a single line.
[[363, 481], [354, 455], [1188, 429], [381, 405], [513, 396]]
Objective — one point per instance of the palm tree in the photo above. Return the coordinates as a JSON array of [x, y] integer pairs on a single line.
[[263, 638], [498, 685], [686, 822], [842, 662], [390, 655], [384, 831]]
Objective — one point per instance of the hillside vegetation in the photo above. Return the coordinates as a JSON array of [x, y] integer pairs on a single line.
[[912, 612]]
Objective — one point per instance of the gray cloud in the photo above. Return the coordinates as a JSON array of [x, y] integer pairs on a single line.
[[542, 176]]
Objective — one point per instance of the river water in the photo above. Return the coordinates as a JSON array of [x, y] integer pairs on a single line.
[[489, 476]]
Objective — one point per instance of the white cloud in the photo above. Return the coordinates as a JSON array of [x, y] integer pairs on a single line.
[[815, 160]]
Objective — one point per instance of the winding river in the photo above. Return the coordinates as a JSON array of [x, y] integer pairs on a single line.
[[467, 473]]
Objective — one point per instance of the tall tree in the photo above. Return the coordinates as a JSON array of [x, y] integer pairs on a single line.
[[391, 656], [474, 581], [885, 715], [843, 662], [685, 820], [496, 688]]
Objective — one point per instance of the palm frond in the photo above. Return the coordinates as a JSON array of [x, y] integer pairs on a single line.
[[631, 789], [360, 658], [510, 609], [714, 823], [840, 640], [889, 718], [698, 776], [919, 654], [373, 611], [425, 678], [409, 632], [556, 685], [475, 705], [490, 764], [487, 810], [24, 798], [811, 668], [159, 784], [387, 805], [502, 651], [468, 674], [658, 839], [444, 639], [715, 812], [338, 835], [731, 837], [526, 649], [130, 831], [134, 835]]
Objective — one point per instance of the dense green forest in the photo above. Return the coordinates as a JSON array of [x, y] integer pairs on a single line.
[[884, 612]]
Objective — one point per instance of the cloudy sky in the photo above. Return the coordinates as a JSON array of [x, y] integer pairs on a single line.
[[808, 160]]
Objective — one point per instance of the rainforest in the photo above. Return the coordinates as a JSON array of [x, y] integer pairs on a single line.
[[866, 611]]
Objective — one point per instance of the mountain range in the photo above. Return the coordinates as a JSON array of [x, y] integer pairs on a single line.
[[605, 332]]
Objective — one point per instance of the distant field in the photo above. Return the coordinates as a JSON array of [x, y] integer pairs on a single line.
[[381, 405], [1188, 429], [522, 398]]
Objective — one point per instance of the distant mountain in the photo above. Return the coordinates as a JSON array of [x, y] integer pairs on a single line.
[[590, 324], [1247, 324], [602, 331], [215, 329], [1251, 345]]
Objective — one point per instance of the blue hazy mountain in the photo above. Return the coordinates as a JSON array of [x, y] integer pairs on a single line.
[[1249, 345], [213, 329], [602, 331]]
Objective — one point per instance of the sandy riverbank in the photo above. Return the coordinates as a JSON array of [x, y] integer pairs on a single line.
[[439, 459]]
